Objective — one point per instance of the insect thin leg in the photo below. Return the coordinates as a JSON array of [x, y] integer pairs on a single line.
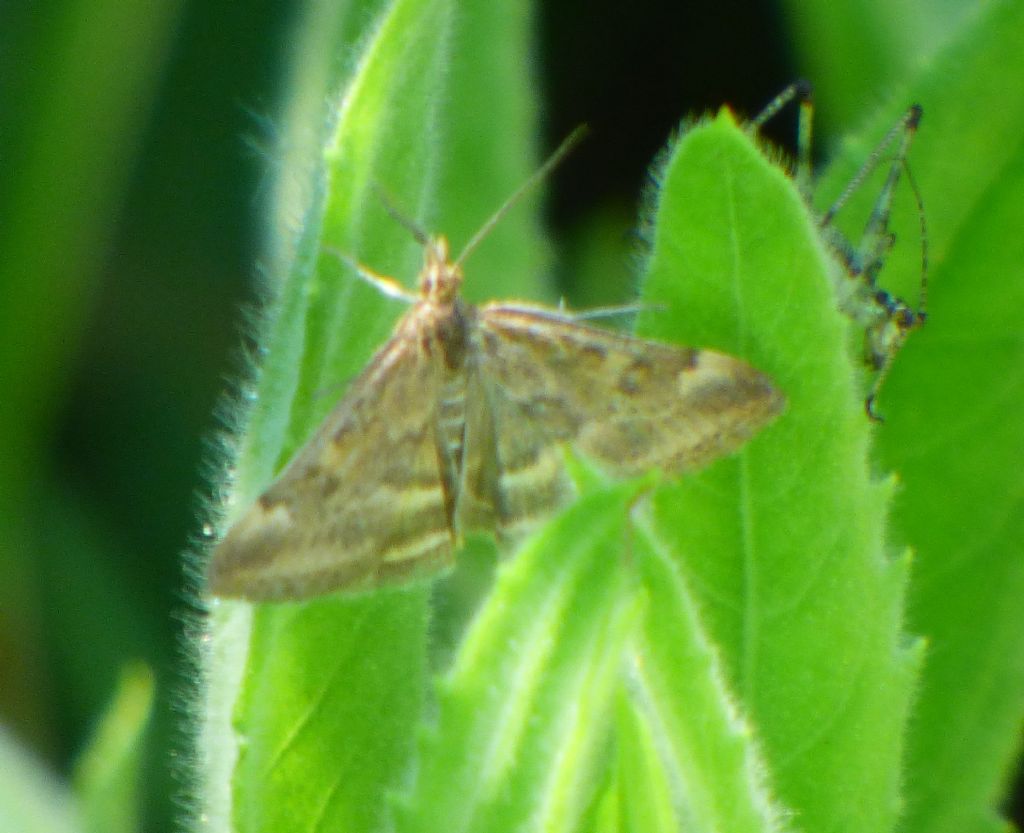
[[905, 320], [922, 300], [802, 92], [887, 319], [877, 239], [904, 129], [880, 376]]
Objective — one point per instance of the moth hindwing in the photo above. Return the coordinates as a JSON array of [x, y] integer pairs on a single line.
[[457, 424]]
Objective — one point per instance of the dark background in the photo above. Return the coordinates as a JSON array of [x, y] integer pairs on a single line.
[[154, 329]]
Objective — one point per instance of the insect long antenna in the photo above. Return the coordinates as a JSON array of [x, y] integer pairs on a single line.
[[396, 214], [550, 163]]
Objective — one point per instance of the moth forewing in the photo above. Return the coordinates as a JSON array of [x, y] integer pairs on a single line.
[[362, 502], [629, 403], [458, 423]]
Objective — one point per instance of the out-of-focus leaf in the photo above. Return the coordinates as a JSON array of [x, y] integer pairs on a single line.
[[32, 798], [107, 771]]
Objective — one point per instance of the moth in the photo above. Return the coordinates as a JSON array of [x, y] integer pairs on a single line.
[[457, 424], [887, 320]]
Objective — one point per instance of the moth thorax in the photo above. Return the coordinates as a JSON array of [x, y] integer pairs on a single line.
[[441, 279]]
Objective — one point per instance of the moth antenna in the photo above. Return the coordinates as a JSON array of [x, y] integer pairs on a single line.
[[550, 163], [399, 216], [385, 285]]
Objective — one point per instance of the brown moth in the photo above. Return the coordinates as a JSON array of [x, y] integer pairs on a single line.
[[457, 424]]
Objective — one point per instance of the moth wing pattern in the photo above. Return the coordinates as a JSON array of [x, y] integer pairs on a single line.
[[514, 474], [628, 403], [365, 502]]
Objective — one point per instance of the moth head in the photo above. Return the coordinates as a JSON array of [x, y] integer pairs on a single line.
[[440, 279]]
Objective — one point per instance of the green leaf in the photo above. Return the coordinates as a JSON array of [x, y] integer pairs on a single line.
[[326, 711], [323, 58], [527, 702], [855, 49], [70, 128], [953, 431], [74, 100], [643, 799], [782, 546], [32, 797], [962, 504], [107, 771], [694, 761]]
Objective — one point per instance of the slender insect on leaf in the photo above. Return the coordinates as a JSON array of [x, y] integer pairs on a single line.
[[887, 320], [457, 424]]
